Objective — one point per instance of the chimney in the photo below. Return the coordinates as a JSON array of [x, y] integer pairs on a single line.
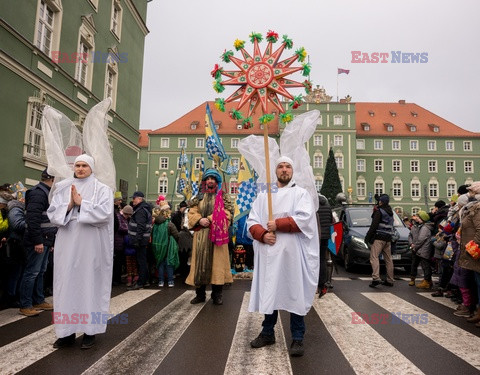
[[402, 101]]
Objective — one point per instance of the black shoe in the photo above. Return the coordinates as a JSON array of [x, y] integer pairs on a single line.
[[64, 342], [387, 283], [135, 287], [218, 300], [296, 349], [374, 283], [438, 293], [262, 340], [197, 299], [88, 341], [147, 284]]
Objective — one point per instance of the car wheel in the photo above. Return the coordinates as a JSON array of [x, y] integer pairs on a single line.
[[348, 262]]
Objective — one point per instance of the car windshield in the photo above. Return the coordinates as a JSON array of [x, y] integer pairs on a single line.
[[362, 217]]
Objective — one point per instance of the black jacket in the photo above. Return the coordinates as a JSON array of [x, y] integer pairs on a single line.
[[140, 224], [325, 217], [38, 229], [373, 233]]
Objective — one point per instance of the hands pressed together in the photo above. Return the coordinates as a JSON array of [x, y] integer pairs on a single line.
[[75, 198]]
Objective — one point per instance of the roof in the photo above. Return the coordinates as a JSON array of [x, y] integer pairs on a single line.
[[403, 116], [227, 125], [143, 137]]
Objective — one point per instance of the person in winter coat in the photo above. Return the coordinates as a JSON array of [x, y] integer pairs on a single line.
[[421, 245], [325, 219], [380, 236], [470, 231], [120, 231], [438, 214], [165, 251]]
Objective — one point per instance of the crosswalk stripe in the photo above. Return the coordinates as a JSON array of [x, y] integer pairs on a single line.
[[8, 316], [341, 279], [464, 345], [272, 359], [162, 332], [441, 300], [25, 351], [358, 342]]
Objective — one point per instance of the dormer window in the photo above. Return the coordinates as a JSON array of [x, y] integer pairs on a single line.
[[371, 113], [388, 126], [435, 128], [239, 126], [414, 114], [193, 125], [365, 126], [393, 113], [217, 124], [412, 127]]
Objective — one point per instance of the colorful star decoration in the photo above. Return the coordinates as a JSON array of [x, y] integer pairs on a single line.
[[261, 78]]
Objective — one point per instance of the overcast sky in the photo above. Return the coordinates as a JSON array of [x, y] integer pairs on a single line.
[[187, 38]]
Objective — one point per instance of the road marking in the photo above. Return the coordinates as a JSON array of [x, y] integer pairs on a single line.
[[144, 350], [342, 279], [364, 348], [23, 352], [456, 340], [441, 300], [8, 316], [271, 359]]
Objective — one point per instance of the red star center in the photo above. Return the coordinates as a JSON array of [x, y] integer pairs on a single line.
[[260, 75]]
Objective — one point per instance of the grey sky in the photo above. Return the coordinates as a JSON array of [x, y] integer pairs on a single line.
[[187, 38]]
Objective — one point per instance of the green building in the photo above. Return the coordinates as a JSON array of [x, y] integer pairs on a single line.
[[399, 148], [70, 55]]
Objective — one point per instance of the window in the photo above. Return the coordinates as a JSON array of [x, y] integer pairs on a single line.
[[34, 136], [163, 163], [339, 161], [360, 144], [198, 163], [234, 142], [378, 165], [396, 145], [413, 145], [82, 74], [415, 210], [432, 145], [389, 128], [318, 184], [450, 166], [162, 185], [360, 165], [468, 166], [467, 146], [396, 165], [397, 189], [193, 125], [432, 166], [319, 121], [111, 79], [414, 166], [233, 186], [451, 189], [236, 162], [182, 142], [317, 161], [361, 189], [317, 140], [116, 21], [415, 189], [378, 144], [449, 146], [165, 143], [48, 26], [338, 120], [379, 188], [433, 189], [338, 140], [86, 46], [199, 143]]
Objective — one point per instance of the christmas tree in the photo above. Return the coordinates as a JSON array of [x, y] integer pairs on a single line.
[[331, 182]]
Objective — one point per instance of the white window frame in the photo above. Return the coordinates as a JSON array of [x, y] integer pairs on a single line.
[[433, 189], [396, 142], [317, 140], [116, 19], [413, 145], [361, 165], [86, 46], [468, 166], [467, 146], [451, 188], [182, 143], [233, 187], [378, 144], [339, 161], [111, 82], [317, 161], [320, 119], [234, 142], [34, 146], [378, 165], [432, 166], [337, 120], [396, 165], [164, 142], [198, 163], [338, 140], [318, 184], [397, 189], [163, 162], [414, 166], [199, 143], [360, 144], [42, 26], [449, 146], [162, 185], [415, 189], [379, 187], [432, 145], [450, 168], [361, 188]]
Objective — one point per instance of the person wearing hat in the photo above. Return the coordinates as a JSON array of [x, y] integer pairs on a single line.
[[184, 238], [209, 216], [286, 257], [438, 214], [139, 231], [39, 239], [420, 243], [379, 235], [82, 209]]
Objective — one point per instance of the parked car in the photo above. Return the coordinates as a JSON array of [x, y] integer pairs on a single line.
[[354, 250]]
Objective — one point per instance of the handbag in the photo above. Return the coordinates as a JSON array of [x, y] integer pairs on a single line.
[[448, 253], [473, 249]]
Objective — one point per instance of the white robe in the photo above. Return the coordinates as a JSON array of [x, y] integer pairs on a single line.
[[285, 275], [83, 257]]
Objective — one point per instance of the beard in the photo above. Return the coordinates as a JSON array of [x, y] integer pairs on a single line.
[[284, 179]]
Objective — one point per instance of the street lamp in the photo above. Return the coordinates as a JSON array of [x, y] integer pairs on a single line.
[[350, 190]]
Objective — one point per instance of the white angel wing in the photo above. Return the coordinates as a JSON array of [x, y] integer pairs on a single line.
[[63, 143], [252, 148], [292, 144], [95, 140]]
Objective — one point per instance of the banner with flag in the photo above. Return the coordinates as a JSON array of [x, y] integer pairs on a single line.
[[247, 190], [340, 71], [336, 237], [182, 159], [231, 168], [197, 180], [213, 146]]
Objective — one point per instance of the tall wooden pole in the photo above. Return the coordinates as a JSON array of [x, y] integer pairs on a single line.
[[267, 169]]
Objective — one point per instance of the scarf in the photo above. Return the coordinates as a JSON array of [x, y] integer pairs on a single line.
[[219, 227]]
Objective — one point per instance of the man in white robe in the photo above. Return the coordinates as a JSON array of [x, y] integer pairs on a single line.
[[82, 208], [286, 257]]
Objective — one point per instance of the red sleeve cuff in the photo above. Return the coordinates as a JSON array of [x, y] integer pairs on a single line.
[[286, 224], [257, 232]]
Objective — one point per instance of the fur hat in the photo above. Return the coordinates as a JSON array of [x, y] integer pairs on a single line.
[[474, 187], [423, 215], [462, 200], [210, 172], [127, 210]]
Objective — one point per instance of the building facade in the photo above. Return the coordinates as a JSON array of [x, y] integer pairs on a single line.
[[399, 148], [70, 55]]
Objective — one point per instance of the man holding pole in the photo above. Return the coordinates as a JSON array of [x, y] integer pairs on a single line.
[[286, 256]]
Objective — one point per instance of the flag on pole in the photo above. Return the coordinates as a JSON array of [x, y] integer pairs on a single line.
[[213, 146], [231, 168], [340, 71], [183, 159], [247, 190], [336, 237]]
